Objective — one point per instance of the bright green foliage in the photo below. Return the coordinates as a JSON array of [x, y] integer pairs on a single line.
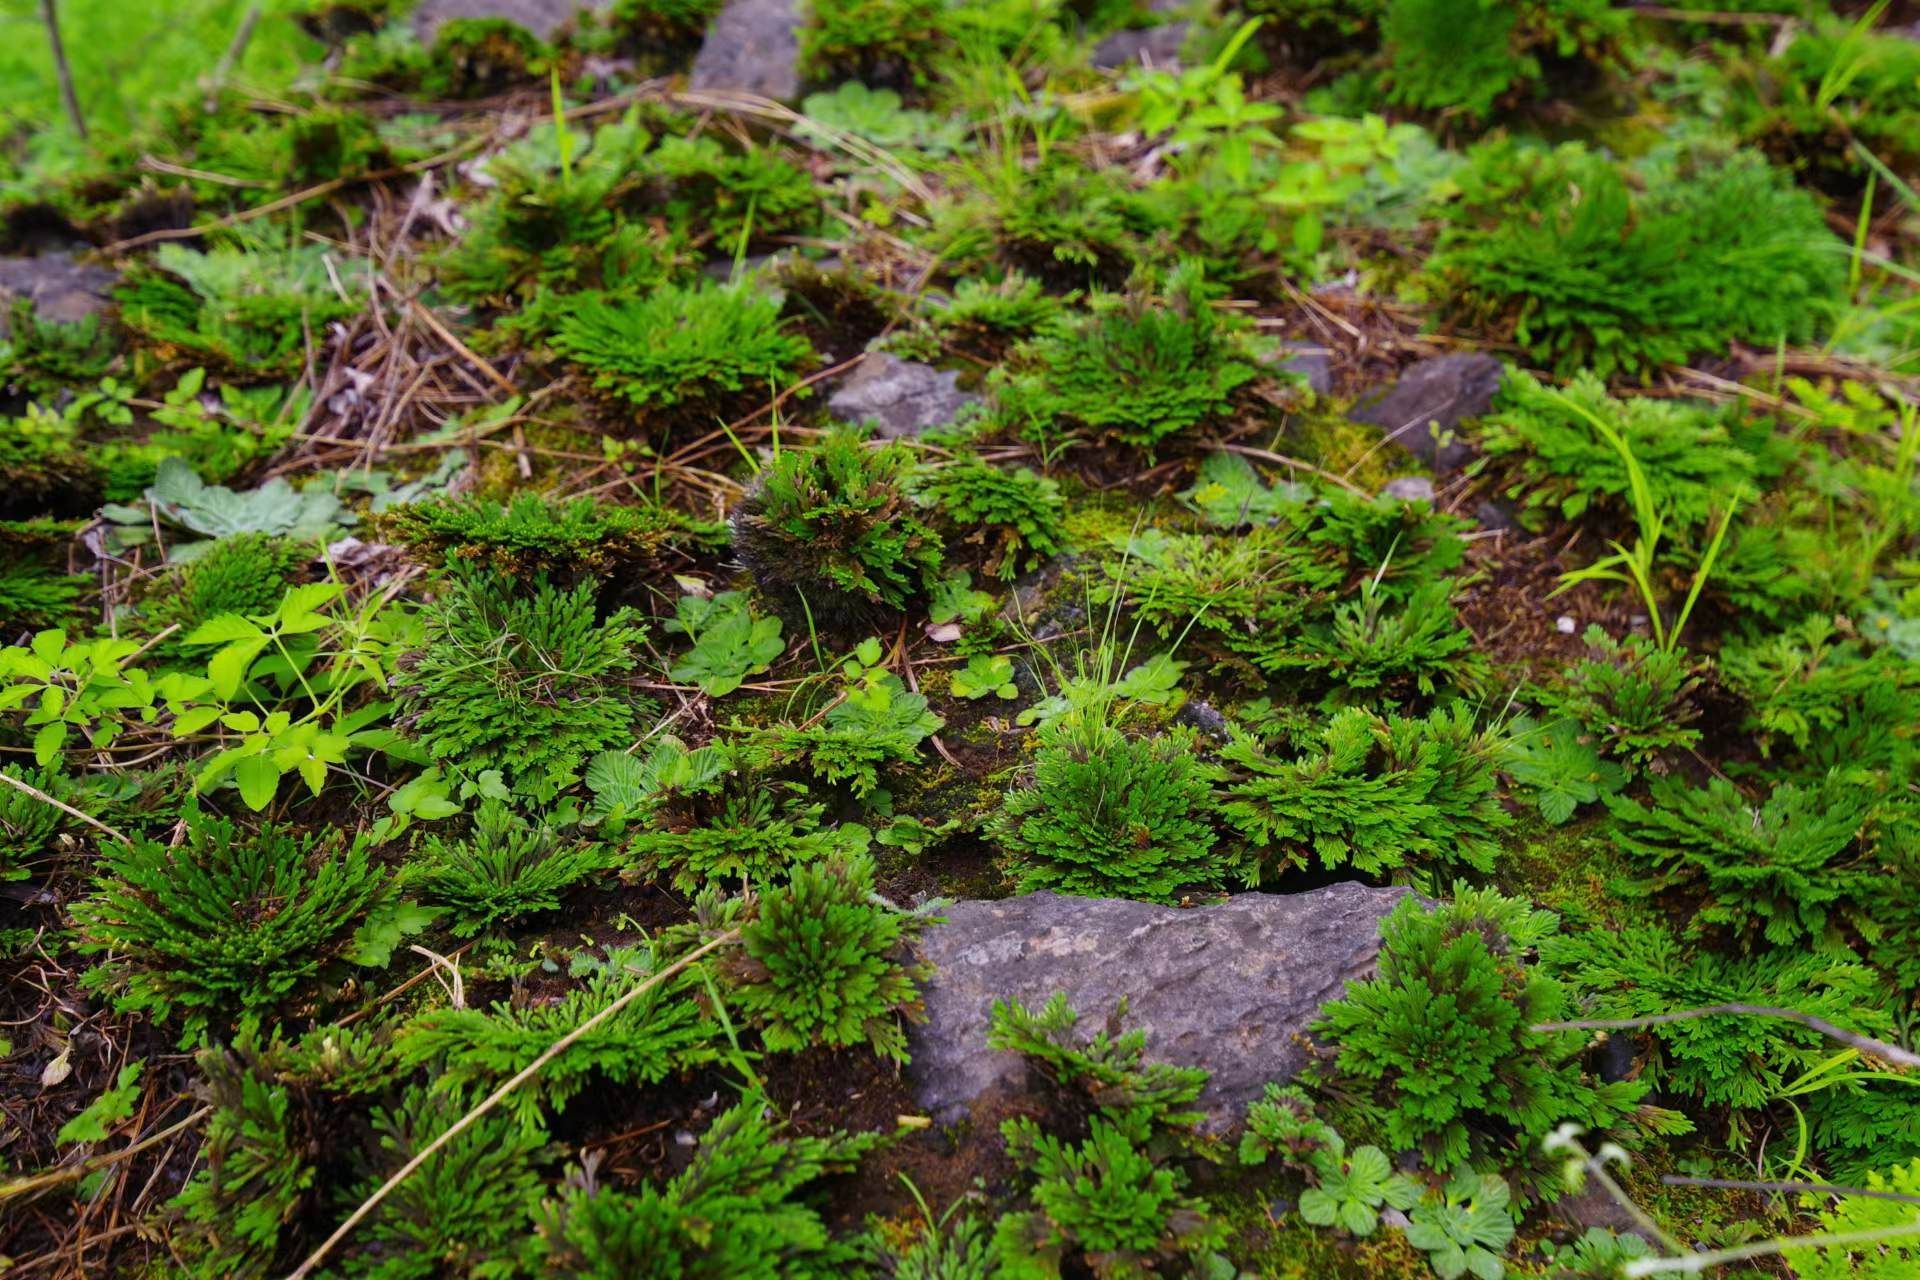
[[1835, 83], [28, 823], [1817, 691], [179, 497], [225, 927], [737, 1210], [755, 838], [1370, 645], [1598, 1254], [729, 643], [1632, 696], [112, 1108], [1725, 1060], [1690, 460], [1442, 1038], [1587, 275], [1109, 1067], [49, 470], [1109, 815], [753, 192], [876, 41], [33, 595], [255, 1175], [243, 308], [243, 573], [463, 1215], [1140, 369], [681, 349], [39, 355], [877, 724], [985, 674], [1376, 793], [628, 786], [1466, 1227], [524, 682], [824, 963], [1562, 766], [1016, 516], [507, 868], [537, 534], [1788, 869], [1887, 1259], [1353, 1189], [659, 1032], [1102, 1203], [834, 526], [1282, 1123], [1466, 56], [1014, 305]]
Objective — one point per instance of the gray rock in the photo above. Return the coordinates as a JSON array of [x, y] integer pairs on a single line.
[[541, 17], [905, 398], [1313, 363], [1409, 489], [1228, 987], [1151, 46], [1432, 398], [61, 289], [753, 46], [1496, 516]]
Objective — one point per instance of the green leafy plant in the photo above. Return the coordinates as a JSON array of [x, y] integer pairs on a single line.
[[1561, 765], [1442, 1040], [1108, 1068], [179, 497], [1584, 274], [1283, 1123], [824, 961], [652, 1036], [1467, 58], [679, 349], [985, 674], [834, 526], [1110, 815], [245, 308], [1353, 1189], [875, 721], [1017, 516], [729, 643], [1868, 1259], [1466, 1227], [1102, 1201], [1788, 869], [508, 867], [225, 927], [527, 683], [28, 824], [878, 41], [740, 1208], [62, 687], [242, 573], [537, 534], [1138, 368], [755, 838], [1632, 696], [1377, 793], [626, 786]]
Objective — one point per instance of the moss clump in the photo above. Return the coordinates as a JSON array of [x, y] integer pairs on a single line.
[[1108, 815], [680, 348], [534, 533], [834, 526]]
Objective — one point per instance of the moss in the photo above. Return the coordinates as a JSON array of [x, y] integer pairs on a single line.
[[1338, 445]]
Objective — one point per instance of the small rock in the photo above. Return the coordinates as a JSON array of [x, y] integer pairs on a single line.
[[1409, 489], [1315, 364], [1150, 46], [753, 46], [1565, 625], [539, 17], [905, 398], [1419, 412], [60, 288], [1229, 987], [1496, 517], [1202, 718]]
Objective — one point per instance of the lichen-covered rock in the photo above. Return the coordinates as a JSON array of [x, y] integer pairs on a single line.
[[753, 46], [1229, 987], [59, 287], [905, 398], [1420, 412]]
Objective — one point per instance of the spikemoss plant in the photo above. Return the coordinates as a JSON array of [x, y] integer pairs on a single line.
[[534, 533], [527, 682], [1108, 815], [678, 349], [1018, 517], [834, 525], [824, 961]]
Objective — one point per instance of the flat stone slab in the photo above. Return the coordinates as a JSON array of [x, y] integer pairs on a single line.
[[904, 397], [1433, 397], [753, 46], [1228, 987]]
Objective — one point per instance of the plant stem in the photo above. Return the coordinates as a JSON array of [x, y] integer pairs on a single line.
[[68, 98]]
